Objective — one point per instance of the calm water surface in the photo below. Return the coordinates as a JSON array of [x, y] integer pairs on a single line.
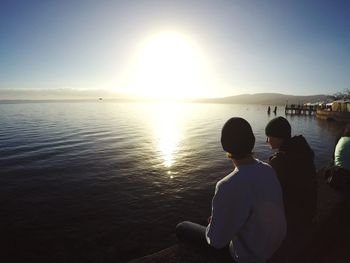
[[108, 182]]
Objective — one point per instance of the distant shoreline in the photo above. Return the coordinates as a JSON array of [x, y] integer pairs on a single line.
[[275, 99]]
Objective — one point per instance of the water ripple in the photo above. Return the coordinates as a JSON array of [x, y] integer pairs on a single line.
[[95, 176]]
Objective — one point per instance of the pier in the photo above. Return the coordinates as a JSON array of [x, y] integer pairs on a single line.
[[294, 109]]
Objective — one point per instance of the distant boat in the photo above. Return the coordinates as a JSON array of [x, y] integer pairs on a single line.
[[336, 111], [99, 98], [325, 114]]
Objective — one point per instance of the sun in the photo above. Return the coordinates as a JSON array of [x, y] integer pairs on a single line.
[[169, 66]]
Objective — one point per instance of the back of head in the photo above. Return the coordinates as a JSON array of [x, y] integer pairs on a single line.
[[237, 138], [278, 127], [347, 130]]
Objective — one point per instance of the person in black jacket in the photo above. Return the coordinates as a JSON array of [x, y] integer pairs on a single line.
[[294, 165]]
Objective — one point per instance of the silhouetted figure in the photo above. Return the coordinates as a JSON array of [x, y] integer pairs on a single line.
[[247, 218], [294, 164], [275, 110], [268, 110]]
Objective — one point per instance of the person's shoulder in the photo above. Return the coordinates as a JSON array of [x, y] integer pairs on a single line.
[[232, 179], [344, 139], [298, 147], [278, 156], [233, 185], [343, 144], [259, 167], [260, 163], [279, 160], [227, 177], [265, 167]]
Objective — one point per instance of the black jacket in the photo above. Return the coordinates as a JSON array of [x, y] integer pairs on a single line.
[[294, 165]]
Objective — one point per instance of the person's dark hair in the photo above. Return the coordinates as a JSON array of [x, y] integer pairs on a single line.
[[237, 138], [347, 130], [278, 127]]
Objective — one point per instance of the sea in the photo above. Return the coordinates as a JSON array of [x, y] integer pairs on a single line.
[[108, 181]]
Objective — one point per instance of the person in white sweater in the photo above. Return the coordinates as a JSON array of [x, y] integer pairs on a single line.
[[247, 222]]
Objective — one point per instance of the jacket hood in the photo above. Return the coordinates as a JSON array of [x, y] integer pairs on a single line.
[[298, 147]]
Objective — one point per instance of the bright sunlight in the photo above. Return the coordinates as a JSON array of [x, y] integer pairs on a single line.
[[169, 67]]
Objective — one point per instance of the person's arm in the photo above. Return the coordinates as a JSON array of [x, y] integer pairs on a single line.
[[279, 164], [230, 211]]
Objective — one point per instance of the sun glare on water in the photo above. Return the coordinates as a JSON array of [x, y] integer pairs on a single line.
[[168, 67], [167, 122]]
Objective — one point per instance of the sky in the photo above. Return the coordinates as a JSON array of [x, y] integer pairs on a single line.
[[180, 48]]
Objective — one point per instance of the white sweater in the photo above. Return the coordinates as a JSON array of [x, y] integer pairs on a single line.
[[248, 213]]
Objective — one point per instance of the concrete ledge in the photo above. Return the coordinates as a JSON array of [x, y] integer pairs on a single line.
[[177, 253]]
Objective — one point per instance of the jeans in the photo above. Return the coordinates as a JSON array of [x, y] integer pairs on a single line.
[[194, 235]]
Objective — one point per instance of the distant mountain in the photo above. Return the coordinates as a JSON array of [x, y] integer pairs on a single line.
[[268, 99], [66, 94]]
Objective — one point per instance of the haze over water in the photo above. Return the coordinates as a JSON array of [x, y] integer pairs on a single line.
[[107, 182]]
